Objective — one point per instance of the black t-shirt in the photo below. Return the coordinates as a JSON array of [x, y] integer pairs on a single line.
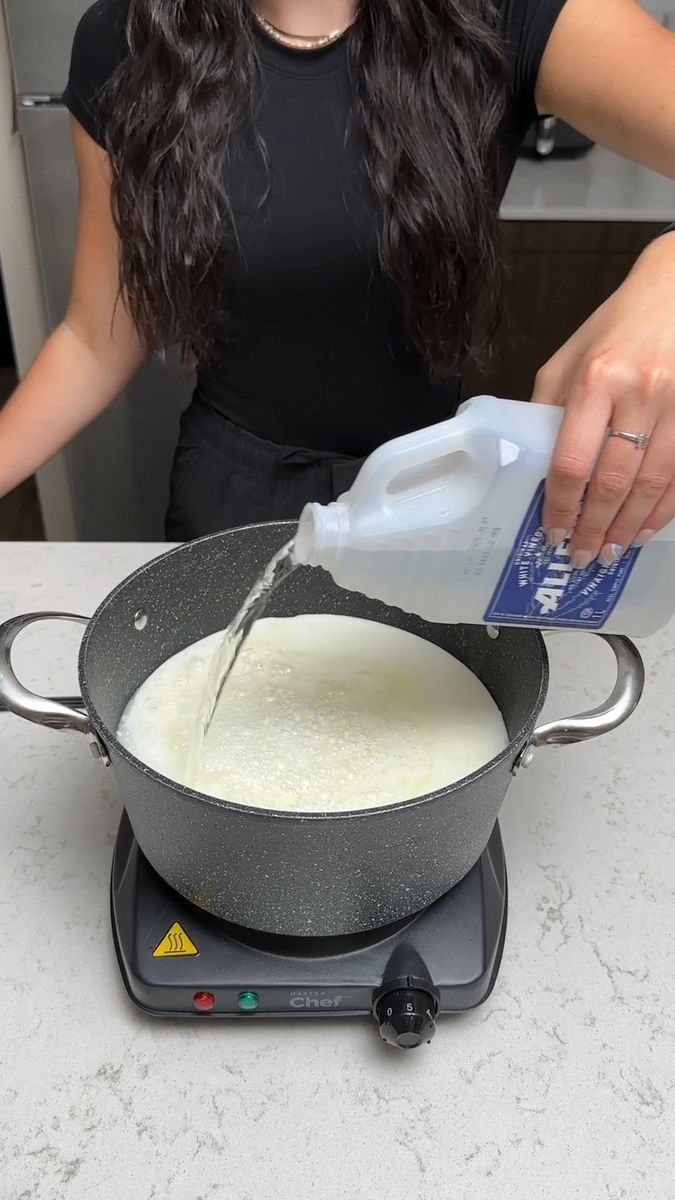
[[319, 356]]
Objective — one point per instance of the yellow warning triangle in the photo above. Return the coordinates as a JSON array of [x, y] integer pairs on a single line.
[[176, 944]]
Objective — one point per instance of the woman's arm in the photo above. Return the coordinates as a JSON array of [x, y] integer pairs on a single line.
[[92, 355], [609, 70]]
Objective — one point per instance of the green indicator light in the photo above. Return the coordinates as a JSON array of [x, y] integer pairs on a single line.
[[248, 1001]]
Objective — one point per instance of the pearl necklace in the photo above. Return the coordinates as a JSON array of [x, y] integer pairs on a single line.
[[299, 41]]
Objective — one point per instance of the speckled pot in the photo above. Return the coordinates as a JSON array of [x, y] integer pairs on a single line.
[[296, 874]]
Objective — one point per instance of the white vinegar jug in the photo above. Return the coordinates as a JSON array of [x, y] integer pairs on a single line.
[[446, 523]]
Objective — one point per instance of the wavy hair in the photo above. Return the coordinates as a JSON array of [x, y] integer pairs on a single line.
[[430, 84]]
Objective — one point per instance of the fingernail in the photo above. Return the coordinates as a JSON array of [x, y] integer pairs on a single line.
[[556, 537], [581, 559], [610, 554], [644, 536]]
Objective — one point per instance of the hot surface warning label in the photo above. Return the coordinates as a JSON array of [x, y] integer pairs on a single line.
[[176, 944]]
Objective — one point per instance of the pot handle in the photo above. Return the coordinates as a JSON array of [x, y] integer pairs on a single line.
[[625, 697], [55, 713]]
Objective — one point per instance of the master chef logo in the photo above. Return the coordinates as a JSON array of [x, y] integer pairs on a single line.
[[312, 999]]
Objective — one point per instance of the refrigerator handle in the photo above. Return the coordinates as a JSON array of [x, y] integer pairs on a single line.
[[40, 101]]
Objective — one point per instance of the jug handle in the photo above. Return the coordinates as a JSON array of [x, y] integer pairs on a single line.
[[404, 456], [66, 713], [620, 705]]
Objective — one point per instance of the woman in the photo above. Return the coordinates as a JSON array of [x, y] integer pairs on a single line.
[[303, 195]]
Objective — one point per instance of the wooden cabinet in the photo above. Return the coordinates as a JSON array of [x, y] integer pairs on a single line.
[[558, 273]]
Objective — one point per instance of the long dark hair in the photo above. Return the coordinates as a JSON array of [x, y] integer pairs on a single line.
[[430, 92]]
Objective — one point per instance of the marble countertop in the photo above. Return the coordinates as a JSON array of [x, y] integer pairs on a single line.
[[599, 187], [562, 1084]]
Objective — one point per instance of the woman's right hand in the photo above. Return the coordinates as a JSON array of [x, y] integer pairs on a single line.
[[91, 356]]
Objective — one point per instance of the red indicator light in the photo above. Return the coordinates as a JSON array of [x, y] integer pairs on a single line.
[[203, 1001]]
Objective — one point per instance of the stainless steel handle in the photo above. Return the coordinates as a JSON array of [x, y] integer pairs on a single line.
[[546, 131], [625, 697], [54, 713]]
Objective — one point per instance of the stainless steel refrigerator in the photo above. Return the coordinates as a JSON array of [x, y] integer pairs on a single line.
[[117, 471]]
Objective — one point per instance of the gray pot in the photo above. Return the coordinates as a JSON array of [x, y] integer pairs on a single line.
[[290, 873]]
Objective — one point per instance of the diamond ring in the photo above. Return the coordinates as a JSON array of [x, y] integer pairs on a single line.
[[639, 440]]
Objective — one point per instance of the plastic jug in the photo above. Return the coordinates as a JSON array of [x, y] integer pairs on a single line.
[[446, 523]]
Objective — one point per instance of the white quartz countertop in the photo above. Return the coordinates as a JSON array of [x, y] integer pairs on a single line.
[[561, 1085], [598, 187]]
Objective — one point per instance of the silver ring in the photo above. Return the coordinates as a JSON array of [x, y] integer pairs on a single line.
[[639, 440]]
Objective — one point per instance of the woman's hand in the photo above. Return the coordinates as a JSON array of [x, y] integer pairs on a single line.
[[617, 372]]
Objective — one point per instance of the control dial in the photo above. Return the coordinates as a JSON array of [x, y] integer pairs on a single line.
[[407, 1017]]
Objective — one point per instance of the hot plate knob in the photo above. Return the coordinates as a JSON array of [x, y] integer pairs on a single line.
[[407, 1017]]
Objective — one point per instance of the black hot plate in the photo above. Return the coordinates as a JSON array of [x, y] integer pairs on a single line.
[[178, 961]]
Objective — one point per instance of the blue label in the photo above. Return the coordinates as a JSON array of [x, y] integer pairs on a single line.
[[540, 588]]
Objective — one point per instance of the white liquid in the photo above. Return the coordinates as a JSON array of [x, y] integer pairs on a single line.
[[320, 714]]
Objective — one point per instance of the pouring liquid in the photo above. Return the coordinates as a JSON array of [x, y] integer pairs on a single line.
[[232, 643]]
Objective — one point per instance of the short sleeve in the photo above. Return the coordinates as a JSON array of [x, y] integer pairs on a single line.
[[527, 26], [99, 47]]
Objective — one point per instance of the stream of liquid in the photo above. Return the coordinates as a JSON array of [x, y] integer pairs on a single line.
[[233, 640]]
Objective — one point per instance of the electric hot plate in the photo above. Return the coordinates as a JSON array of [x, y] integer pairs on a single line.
[[179, 961]]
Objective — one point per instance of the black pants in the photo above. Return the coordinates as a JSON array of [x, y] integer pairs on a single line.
[[223, 477]]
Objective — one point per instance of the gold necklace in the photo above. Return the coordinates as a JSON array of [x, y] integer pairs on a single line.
[[299, 41]]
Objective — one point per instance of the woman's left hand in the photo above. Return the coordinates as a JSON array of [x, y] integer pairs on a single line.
[[617, 372]]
